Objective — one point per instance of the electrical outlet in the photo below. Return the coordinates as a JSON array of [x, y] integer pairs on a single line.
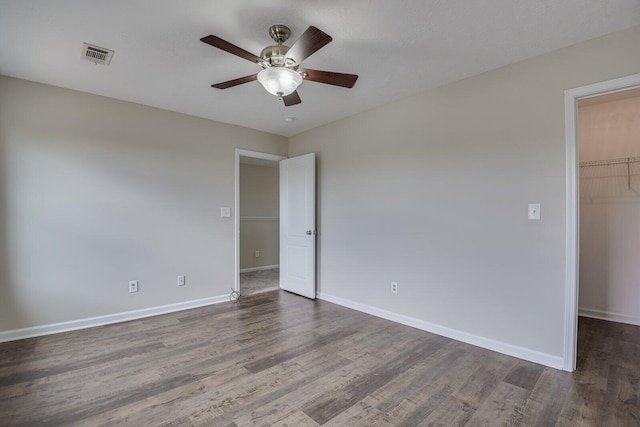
[[257, 254], [394, 287], [133, 286], [182, 280]]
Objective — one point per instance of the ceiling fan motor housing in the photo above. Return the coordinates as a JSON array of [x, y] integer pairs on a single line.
[[275, 56]]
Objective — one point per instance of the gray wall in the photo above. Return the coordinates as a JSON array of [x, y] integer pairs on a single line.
[[259, 213], [432, 192], [95, 192]]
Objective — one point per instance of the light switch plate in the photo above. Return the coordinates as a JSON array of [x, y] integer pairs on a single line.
[[225, 212], [534, 211], [133, 286]]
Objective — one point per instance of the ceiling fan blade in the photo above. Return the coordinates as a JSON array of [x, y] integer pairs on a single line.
[[235, 82], [216, 41], [308, 43], [292, 99], [329, 77]]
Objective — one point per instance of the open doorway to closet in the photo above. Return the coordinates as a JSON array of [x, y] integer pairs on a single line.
[[258, 222], [609, 147], [609, 183], [573, 337]]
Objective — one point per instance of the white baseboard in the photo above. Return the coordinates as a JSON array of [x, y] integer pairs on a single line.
[[54, 328], [264, 267], [606, 315], [479, 341]]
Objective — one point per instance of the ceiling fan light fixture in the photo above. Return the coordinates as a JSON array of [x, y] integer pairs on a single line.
[[279, 81], [279, 62]]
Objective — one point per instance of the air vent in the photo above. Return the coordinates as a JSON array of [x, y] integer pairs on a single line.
[[96, 54]]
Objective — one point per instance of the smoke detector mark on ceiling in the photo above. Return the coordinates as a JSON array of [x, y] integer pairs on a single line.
[[96, 54]]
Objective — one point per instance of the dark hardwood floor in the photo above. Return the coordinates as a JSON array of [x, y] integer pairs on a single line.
[[278, 359]]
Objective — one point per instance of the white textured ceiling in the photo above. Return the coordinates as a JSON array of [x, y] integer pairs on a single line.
[[398, 48]]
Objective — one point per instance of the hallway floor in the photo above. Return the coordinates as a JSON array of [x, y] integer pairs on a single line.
[[255, 282]]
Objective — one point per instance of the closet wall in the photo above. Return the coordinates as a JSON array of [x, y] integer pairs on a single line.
[[259, 216], [609, 144]]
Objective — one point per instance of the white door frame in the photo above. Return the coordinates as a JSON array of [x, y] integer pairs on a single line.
[[256, 155], [571, 98]]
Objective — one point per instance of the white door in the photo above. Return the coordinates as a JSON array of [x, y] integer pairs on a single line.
[[297, 225]]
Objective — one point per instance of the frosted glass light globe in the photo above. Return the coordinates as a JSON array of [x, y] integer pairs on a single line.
[[279, 81]]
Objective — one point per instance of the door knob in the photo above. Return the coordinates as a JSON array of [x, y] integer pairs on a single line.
[[309, 232]]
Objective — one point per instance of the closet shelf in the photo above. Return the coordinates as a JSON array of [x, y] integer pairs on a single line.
[[624, 160]]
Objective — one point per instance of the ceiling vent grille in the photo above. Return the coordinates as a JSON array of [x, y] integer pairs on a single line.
[[96, 54]]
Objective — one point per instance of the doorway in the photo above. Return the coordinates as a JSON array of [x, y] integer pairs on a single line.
[[256, 222], [609, 154], [572, 99], [609, 165]]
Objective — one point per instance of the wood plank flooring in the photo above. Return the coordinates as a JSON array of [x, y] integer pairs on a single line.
[[254, 282], [278, 359]]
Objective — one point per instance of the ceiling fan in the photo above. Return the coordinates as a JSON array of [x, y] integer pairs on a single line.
[[280, 64]]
